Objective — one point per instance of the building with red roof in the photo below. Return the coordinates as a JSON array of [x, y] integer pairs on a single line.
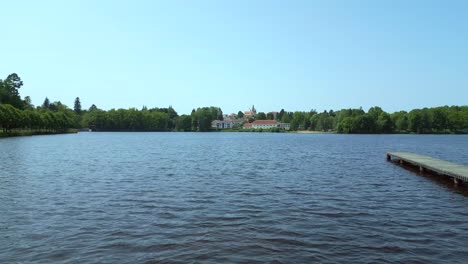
[[265, 124]]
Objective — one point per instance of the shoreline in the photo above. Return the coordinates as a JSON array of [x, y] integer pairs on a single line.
[[28, 133], [23, 133]]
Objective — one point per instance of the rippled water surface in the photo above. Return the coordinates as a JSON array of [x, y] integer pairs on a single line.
[[228, 197]]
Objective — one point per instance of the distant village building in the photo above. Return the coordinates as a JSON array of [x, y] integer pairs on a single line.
[[229, 121], [222, 124], [251, 113], [247, 126], [285, 126], [230, 116], [266, 124]]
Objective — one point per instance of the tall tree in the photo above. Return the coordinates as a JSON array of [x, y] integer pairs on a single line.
[[46, 103], [9, 91], [220, 114], [77, 107], [280, 115], [14, 82]]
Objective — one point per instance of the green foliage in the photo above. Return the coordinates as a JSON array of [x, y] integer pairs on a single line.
[[427, 120], [14, 118], [27, 104], [127, 120], [270, 116], [17, 114], [400, 121], [9, 91], [46, 103], [298, 120], [77, 107], [92, 107], [261, 116], [202, 118], [184, 123], [285, 118]]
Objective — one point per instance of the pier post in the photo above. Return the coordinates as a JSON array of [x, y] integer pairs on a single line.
[[456, 181], [421, 168], [401, 162], [389, 157]]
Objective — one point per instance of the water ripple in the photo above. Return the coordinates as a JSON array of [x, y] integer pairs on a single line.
[[227, 198]]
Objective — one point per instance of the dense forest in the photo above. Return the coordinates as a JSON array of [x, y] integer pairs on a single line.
[[18, 114]]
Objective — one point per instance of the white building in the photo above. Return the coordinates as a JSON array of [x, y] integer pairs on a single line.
[[285, 126], [264, 124], [222, 124]]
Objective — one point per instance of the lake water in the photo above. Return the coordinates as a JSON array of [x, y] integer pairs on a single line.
[[228, 197]]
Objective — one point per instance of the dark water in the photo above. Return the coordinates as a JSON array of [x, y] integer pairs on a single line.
[[228, 197]]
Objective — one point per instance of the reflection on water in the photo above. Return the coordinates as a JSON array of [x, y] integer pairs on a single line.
[[228, 197], [442, 180]]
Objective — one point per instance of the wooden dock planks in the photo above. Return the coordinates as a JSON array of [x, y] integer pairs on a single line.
[[456, 171]]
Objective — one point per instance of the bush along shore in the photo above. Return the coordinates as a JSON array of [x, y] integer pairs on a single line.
[[18, 116]]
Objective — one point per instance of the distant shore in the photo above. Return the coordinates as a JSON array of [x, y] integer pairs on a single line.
[[23, 133]]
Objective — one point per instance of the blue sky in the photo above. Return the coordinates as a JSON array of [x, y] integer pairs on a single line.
[[296, 55]]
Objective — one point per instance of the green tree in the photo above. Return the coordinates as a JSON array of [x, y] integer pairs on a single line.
[[415, 123], [92, 107], [220, 114], [77, 107], [9, 91], [46, 103], [184, 123], [374, 112], [261, 116], [54, 106], [280, 115], [347, 125], [240, 114], [202, 117], [384, 123], [285, 118], [364, 124], [440, 118], [400, 121], [298, 121], [270, 116], [456, 120], [27, 103]]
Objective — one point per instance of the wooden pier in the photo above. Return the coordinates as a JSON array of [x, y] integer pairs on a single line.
[[459, 173]]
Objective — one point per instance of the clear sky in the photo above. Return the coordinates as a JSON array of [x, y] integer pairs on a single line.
[[296, 55]]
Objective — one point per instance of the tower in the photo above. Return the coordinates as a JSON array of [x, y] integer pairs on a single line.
[[253, 111]]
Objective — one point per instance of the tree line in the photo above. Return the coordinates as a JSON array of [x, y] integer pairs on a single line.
[[154, 119], [19, 113], [444, 119]]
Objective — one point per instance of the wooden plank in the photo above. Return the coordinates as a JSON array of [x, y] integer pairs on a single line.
[[443, 167]]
